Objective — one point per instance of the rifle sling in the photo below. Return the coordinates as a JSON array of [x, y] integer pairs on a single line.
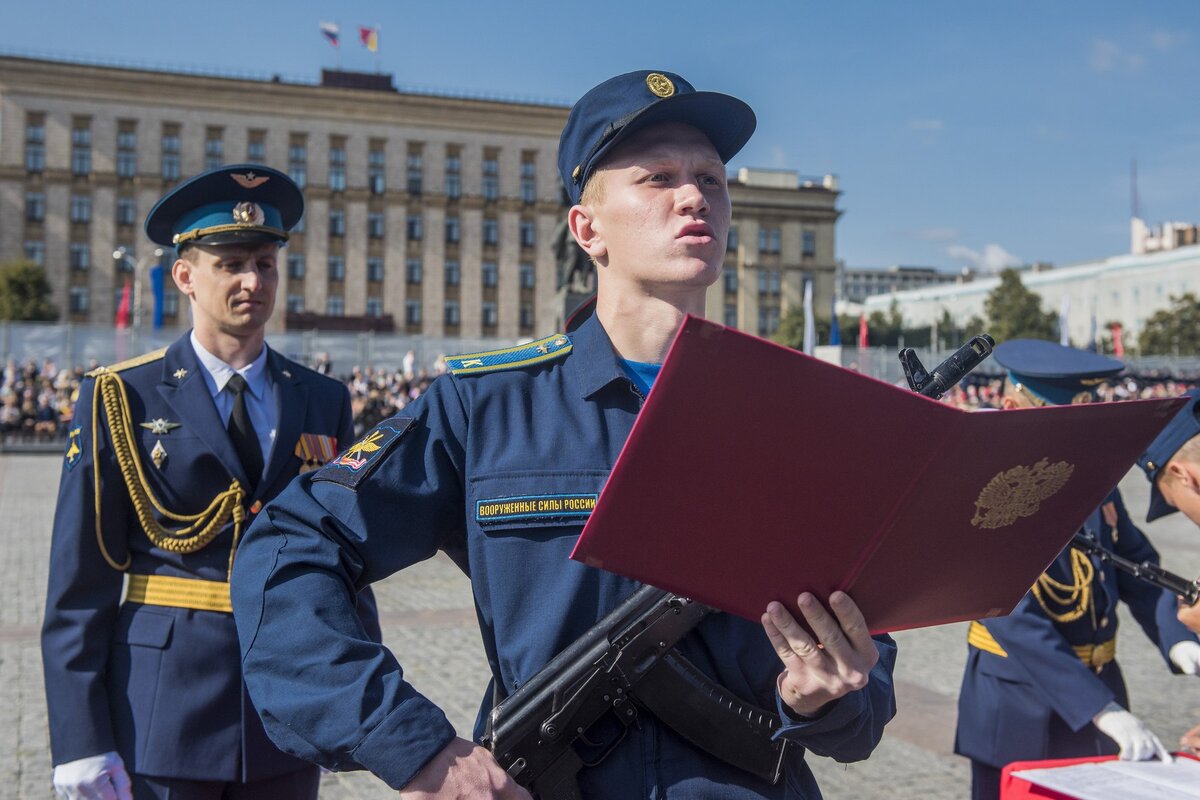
[[711, 718]]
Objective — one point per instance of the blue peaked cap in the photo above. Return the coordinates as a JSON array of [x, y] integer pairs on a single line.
[[1182, 427], [1055, 373], [239, 203], [612, 111]]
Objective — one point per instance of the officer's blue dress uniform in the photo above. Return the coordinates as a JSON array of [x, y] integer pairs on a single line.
[[1035, 678], [541, 422], [155, 675]]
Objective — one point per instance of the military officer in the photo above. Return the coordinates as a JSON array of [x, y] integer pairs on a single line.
[[170, 457], [643, 159], [1043, 682]]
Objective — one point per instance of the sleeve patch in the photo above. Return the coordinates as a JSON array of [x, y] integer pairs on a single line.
[[360, 459], [74, 447]]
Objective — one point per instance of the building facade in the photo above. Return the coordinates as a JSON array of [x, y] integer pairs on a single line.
[[425, 214], [856, 285]]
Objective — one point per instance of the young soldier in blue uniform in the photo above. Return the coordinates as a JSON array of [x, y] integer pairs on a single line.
[[1172, 464], [643, 159], [1043, 682], [171, 455]]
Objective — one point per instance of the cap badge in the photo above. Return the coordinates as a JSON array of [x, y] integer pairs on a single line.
[[249, 180], [660, 84], [247, 213], [1018, 492]]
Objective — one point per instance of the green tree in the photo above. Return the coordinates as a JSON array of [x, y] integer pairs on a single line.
[[1014, 312], [1174, 330], [791, 329], [25, 293]]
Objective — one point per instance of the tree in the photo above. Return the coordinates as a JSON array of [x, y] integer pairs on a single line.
[[791, 329], [25, 293], [1014, 312], [1174, 330]]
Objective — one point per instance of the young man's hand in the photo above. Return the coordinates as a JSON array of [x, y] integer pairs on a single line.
[[463, 769]]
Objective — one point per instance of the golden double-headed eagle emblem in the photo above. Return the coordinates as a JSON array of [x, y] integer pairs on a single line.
[[1019, 492]]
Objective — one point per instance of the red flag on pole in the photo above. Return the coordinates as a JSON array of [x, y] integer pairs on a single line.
[[123, 308], [1118, 344], [863, 342], [369, 37]]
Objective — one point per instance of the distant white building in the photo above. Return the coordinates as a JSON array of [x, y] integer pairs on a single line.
[[1128, 289]]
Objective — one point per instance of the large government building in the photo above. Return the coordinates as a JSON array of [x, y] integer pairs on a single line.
[[426, 213]]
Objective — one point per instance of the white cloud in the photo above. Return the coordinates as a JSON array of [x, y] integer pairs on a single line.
[[925, 125], [1108, 56], [1164, 41], [936, 234], [993, 258]]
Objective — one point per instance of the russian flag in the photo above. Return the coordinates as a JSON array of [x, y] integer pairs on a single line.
[[331, 31]]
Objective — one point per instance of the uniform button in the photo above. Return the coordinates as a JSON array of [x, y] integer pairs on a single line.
[[1102, 577], [1104, 622]]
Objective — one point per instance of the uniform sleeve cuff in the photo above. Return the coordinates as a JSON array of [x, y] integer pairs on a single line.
[[407, 739], [833, 716]]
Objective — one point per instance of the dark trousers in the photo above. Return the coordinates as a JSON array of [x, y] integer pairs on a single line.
[[299, 785], [985, 781]]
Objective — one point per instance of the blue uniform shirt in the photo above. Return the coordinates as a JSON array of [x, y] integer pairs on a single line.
[[465, 470]]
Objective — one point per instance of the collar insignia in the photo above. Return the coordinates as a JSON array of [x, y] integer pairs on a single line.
[[160, 427], [250, 180], [287, 373], [180, 374]]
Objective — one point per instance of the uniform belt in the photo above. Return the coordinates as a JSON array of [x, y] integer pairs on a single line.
[[1094, 656], [165, 590]]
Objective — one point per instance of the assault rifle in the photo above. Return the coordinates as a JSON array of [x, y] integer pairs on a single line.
[[627, 662], [1150, 573]]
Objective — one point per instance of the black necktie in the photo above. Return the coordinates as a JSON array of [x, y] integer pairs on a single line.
[[241, 432]]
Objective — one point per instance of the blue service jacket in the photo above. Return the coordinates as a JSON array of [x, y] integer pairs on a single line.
[[421, 482], [1039, 701], [161, 685]]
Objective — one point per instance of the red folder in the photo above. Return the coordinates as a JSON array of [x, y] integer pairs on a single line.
[[1014, 788], [754, 473]]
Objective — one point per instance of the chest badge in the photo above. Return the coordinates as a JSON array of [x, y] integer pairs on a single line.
[[158, 455], [315, 450], [160, 427]]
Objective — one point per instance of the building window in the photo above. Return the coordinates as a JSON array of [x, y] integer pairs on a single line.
[[413, 271], [376, 169], [256, 146], [730, 315], [126, 211], [453, 176], [295, 303], [491, 177], [77, 300], [337, 166], [80, 256], [170, 153], [527, 275], [768, 282], [81, 208], [374, 306], [81, 147], [731, 281], [35, 251], [375, 270], [337, 268], [768, 320], [414, 170], [412, 312], [453, 273], [375, 225], [451, 312], [732, 242], [808, 243], [35, 143], [337, 222], [489, 315], [775, 278], [35, 206], [413, 228], [127, 150], [453, 230], [526, 316], [214, 147], [528, 233], [490, 274], [295, 265], [529, 178], [768, 240], [335, 306], [298, 162], [491, 231], [170, 305]]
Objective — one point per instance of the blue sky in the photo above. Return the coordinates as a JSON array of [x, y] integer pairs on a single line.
[[962, 133]]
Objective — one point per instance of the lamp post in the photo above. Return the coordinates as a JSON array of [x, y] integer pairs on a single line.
[[121, 254]]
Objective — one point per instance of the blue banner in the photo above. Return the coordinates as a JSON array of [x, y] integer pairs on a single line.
[[156, 287]]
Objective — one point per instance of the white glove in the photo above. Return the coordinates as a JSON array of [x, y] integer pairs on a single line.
[[1186, 656], [1137, 742], [101, 777]]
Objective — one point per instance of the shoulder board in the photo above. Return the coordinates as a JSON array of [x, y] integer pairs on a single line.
[[523, 355], [136, 361]]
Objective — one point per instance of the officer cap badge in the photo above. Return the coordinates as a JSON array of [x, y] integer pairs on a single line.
[[249, 180], [248, 213], [660, 84]]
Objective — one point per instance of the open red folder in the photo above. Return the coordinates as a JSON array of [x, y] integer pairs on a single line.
[[754, 473]]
